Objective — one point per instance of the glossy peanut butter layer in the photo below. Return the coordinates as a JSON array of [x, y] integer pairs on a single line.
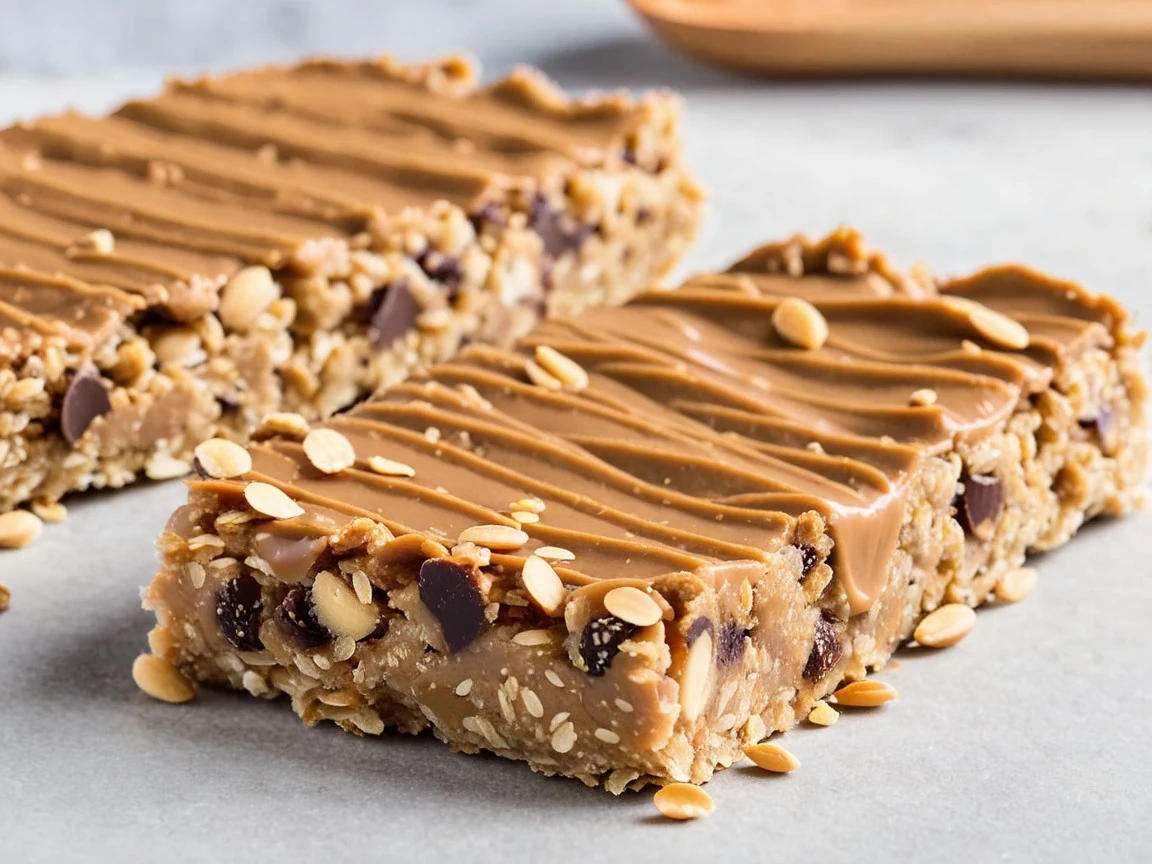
[[701, 433], [219, 173]]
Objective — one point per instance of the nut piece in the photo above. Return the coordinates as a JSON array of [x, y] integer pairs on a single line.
[[50, 511], [162, 466], [271, 501], [98, 242], [19, 528], [946, 626], [1016, 585], [865, 694], [634, 606], [567, 371], [556, 553], [543, 586], [525, 517], [339, 609], [999, 329], [246, 296], [284, 423], [329, 451], [389, 468], [682, 801], [499, 538], [161, 680], [696, 678], [800, 323], [772, 757], [223, 459], [541, 377], [823, 714], [923, 397]]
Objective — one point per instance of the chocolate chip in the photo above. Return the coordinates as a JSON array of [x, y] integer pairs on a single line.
[[198, 469], [557, 238], [600, 642], [395, 315], [85, 399], [979, 505], [296, 618], [238, 608], [826, 651], [699, 627], [730, 646], [643, 215], [449, 590], [489, 214], [629, 156], [228, 404], [809, 557], [444, 269], [1103, 424]]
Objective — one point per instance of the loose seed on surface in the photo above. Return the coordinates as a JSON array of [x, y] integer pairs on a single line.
[[868, 693], [683, 801], [567, 371], [223, 459], [271, 501], [1016, 585], [50, 511], [19, 528], [823, 714], [161, 680], [923, 397], [329, 451], [633, 605], [543, 586], [800, 323], [772, 757], [946, 626], [5, 597], [500, 538], [389, 468], [556, 553]]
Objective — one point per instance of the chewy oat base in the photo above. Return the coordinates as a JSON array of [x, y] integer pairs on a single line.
[[649, 537], [294, 238]]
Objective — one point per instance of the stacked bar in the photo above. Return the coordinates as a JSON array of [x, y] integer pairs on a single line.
[[291, 239], [649, 536]]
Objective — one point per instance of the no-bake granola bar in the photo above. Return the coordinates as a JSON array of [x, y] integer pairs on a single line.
[[290, 239], [650, 536]]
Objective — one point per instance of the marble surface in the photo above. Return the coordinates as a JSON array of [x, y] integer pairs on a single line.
[[1027, 742]]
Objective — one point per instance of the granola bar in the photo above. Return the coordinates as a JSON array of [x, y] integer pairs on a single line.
[[290, 239], [650, 536]]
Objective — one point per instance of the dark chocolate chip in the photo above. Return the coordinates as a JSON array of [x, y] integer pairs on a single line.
[[979, 505], [297, 619], [643, 215], [198, 469], [444, 269], [238, 608], [489, 214], [699, 627], [629, 156], [1103, 424], [85, 399], [730, 646], [556, 237], [826, 651], [228, 404], [395, 315], [809, 557], [449, 590], [600, 642]]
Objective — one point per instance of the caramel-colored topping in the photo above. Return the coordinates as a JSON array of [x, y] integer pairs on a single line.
[[168, 198], [700, 434]]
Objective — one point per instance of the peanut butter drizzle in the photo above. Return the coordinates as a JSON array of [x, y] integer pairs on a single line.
[[701, 435], [219, 173]]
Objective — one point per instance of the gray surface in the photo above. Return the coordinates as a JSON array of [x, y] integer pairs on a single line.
[[1028, 742]]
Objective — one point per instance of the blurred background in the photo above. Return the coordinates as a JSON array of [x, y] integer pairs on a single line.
[[955, 173]]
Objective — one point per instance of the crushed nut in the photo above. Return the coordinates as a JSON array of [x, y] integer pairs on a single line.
[[1016, 585], [923, 397], [329, 451], [543, 586], [772, 757], [633, 605], [389, 468], [161, 680], [499, 538], [223, 459], [339, 609], [52, 512], [564, 738], [696, 679], [98, 242], [284, 423], [800, 323], [567, 371], [246, 296], [868, 693], [271, 501], [823, 714], [946, 626], [683, 801], [19, 528]]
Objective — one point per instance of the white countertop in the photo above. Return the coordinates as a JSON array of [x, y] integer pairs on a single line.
[[1027, 742]]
